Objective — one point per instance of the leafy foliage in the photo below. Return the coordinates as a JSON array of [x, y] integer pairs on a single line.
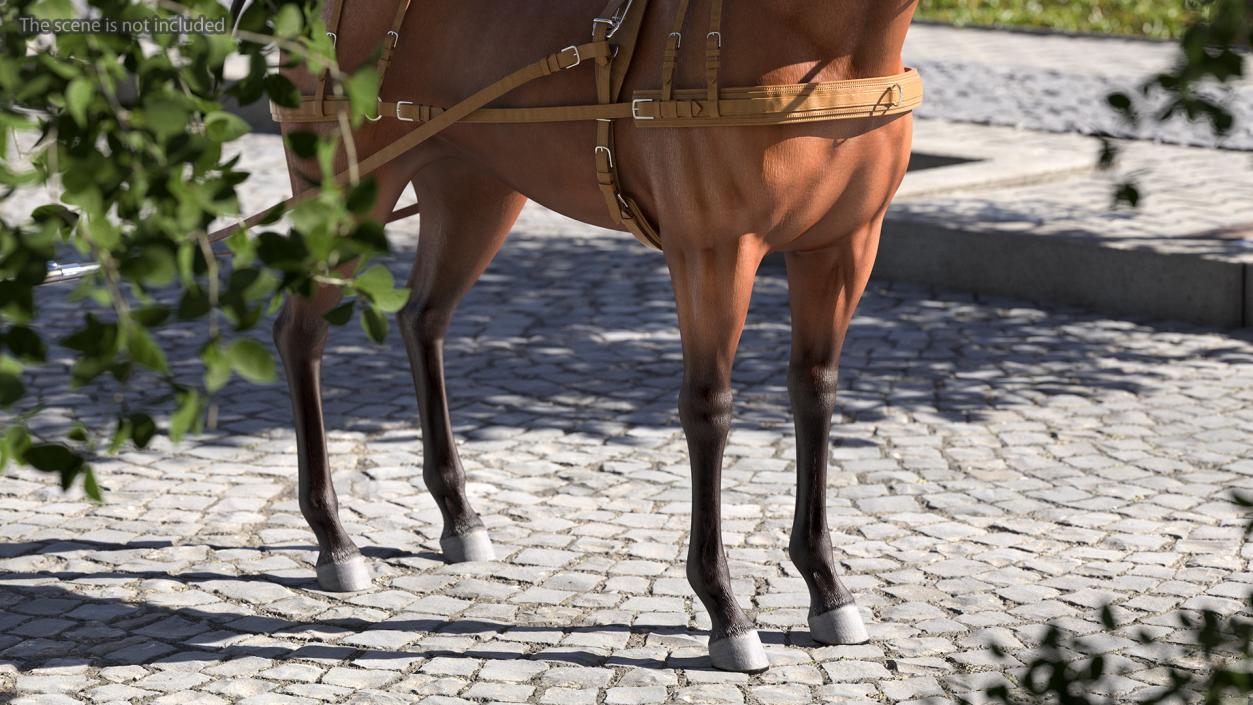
[[1213, 53], [130, 145], [1149, 18], [1220, 659]]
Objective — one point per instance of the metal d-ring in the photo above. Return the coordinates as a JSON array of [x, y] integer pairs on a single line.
[[379, 112], [395, 37], [334, 39], [712, 35]]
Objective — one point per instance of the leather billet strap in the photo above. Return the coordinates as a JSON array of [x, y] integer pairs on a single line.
[[762, 105]]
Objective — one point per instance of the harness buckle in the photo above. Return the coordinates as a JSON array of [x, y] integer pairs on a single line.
[[715, 35], [578, 58], [400, 103], [635, 109], [395, 37], [608, 153], [608, 22], [678, 37], [378, 112], [334, 39]]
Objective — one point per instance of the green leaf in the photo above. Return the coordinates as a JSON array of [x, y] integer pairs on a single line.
[[282, 91], [362, 196], [252, 360], [221, 126], [363, 91], [77, 97], [143, 349], [186, 416], [217, 367], [288, 22], [303, 143], [25, 344], [374, 323], [143, 428], [53, 457], [90, 487], [340, 314], [11, 388], [376, 279]]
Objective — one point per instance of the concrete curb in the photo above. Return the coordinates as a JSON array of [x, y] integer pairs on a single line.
[[1071, 271]]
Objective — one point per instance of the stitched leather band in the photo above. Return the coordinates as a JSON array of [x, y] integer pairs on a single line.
[[762, 105]]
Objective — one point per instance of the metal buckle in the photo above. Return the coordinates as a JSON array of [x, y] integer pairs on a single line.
[[395, 37], [400, 103], [334, 39], [578, 59], [379, 112], [711, 35], [635, 109], [608, 153], [626, 208], [678, 44], [605, 21]]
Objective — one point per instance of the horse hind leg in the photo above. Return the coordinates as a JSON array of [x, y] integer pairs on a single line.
[[824, 287], [466, 216]]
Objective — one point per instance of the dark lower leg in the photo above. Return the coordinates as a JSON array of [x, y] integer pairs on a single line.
[[300, 338], [705, 412], [441, 466], [812, 389]]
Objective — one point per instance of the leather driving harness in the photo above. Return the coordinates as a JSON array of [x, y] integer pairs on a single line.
[[614, 37]]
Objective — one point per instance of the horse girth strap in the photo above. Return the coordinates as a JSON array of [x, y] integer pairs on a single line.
[[762, 105]]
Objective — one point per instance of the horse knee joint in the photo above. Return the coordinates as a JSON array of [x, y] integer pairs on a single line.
[[705, 407]]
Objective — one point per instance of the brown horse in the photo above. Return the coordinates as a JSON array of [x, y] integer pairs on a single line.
[[723, 198]]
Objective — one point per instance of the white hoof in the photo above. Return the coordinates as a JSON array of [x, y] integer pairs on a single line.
[[351, 575], [742, 653], [842, 625], [471, 547]]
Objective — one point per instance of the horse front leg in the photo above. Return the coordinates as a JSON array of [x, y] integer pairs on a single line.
[[300, 334], [466, 217], [712, 290], [824, 287]]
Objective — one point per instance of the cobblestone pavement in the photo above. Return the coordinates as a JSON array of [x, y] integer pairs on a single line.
[[1054, 82], [996, 467], [1036, 184]]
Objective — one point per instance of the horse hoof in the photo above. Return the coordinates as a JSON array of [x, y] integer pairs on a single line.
[[840, 626], [471, 547], [350, 575], [741, 653]]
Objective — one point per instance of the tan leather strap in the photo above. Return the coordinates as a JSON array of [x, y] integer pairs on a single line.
[[670, 56], [385, 59], [337, 13], [761, 105], [567, 58], [713, 56], [621, 209], [781, 105]]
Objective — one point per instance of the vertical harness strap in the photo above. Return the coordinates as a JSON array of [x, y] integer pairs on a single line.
[[337, 13], [713, 56], [386, 59], [670, 58], [623, 209]]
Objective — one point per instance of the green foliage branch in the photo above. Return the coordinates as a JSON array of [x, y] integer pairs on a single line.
[[1213, 54], [123, 140]]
